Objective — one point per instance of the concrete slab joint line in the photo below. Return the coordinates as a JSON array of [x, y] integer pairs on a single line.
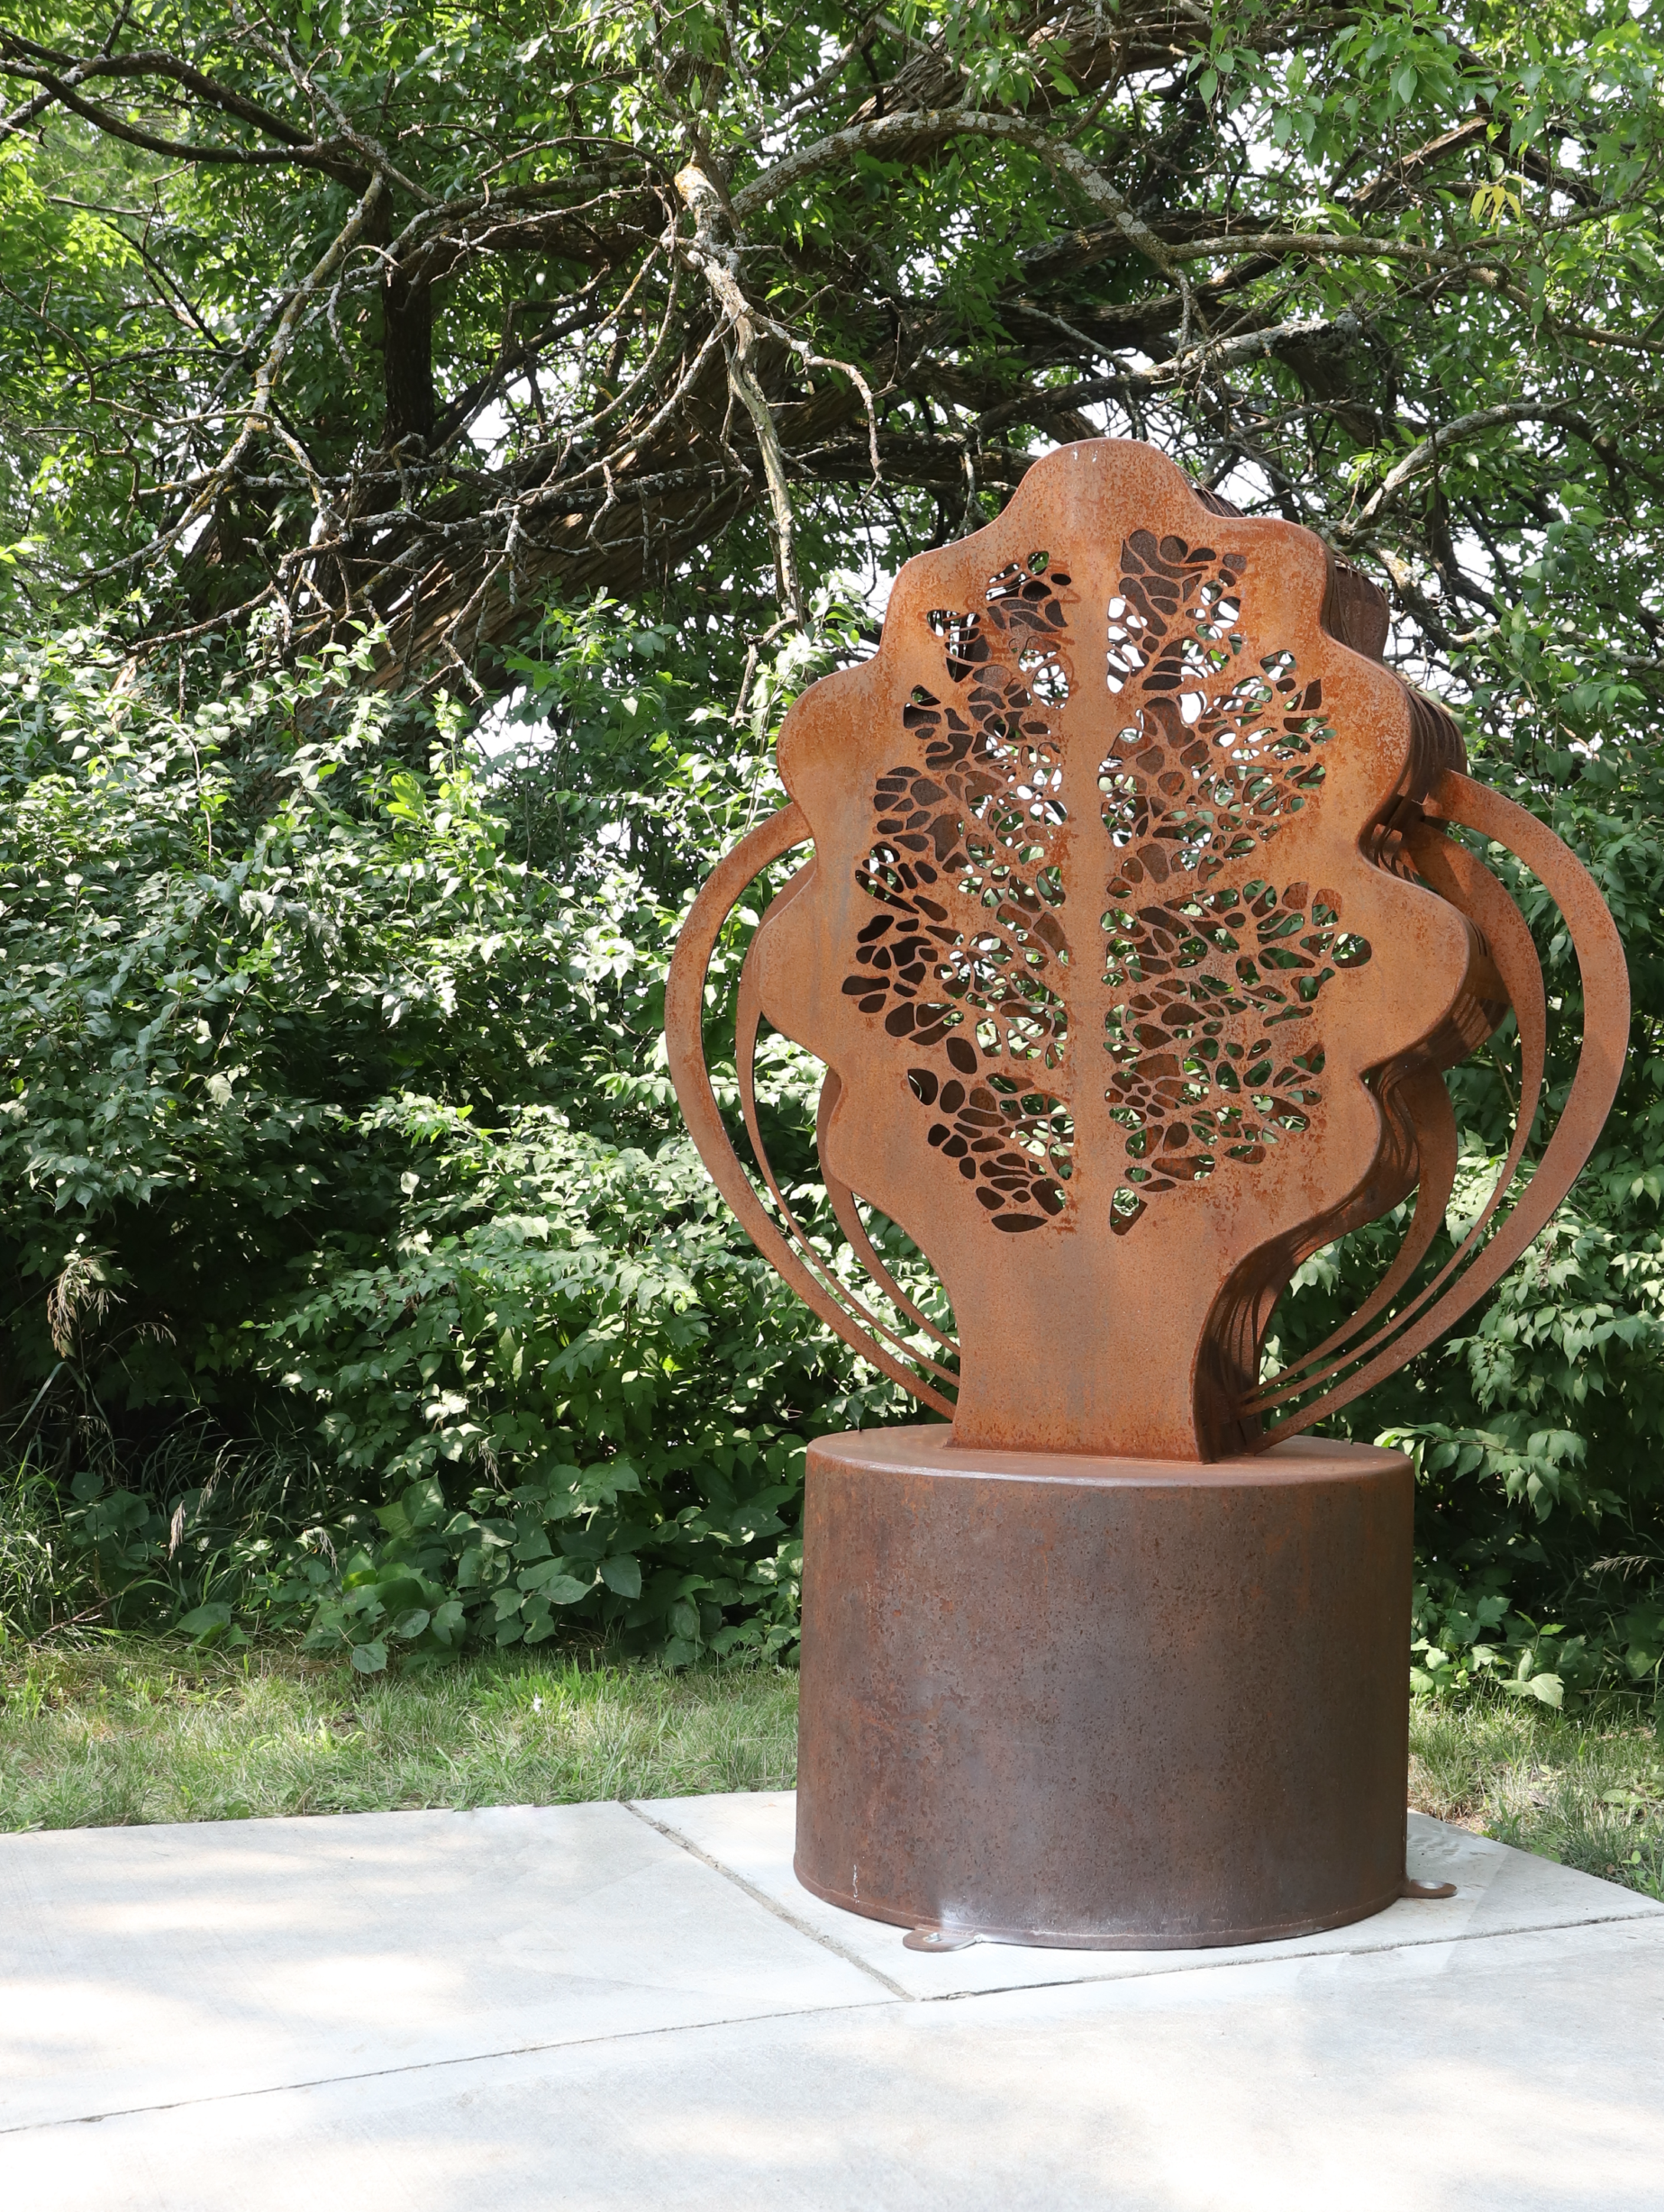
[[1499, 1892], [151, 1966], [609, 2007], [771, 1904]]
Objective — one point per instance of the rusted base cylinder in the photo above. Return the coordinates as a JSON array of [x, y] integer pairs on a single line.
[[1104, 1703]]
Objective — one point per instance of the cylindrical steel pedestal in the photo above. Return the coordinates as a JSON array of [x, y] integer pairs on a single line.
[[1108, 1703]]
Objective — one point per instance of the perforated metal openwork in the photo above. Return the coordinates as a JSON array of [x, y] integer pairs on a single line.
[[967, 956], [1135, 942], [1215, 754], [1208, 1069]]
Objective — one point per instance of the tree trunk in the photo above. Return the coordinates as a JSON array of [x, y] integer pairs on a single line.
[[407, 346]]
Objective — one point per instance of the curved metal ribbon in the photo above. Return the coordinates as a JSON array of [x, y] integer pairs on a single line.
[[1458, 875], [748, 1015], [850, 1220], [1605, 979], [1424, 1112], [685, 1045]]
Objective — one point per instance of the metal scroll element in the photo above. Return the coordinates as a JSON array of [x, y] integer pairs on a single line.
[[1418, 1111], [792, 1255], [1136, 947], [1477, 1266]]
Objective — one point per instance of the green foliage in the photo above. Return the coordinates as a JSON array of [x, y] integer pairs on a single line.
[[132, 1729], [1498, 162], [1587, 1791], [45, 1586], [579, 1416], [302, 1347], [513, 1375], [358, 1275]]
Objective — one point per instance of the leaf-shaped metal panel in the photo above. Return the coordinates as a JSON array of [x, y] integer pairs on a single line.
[[1116, 944]]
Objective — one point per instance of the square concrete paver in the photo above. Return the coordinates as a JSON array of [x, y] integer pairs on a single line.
[[597, 2007], [1498, 1891], [145, 1965]]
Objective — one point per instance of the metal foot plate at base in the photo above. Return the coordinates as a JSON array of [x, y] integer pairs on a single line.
[[1086, 1702]]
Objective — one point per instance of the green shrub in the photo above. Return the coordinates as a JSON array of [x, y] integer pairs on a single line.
[[362, 1282], [296, 1345]]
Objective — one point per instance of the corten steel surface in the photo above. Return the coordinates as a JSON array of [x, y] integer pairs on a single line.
[[1137, 938], [1101, 1702], [1135, 943]]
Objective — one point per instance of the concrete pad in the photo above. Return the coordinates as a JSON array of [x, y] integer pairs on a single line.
[[1498, 1891], [597, 2006], [148, 1965], [1515, 2074]]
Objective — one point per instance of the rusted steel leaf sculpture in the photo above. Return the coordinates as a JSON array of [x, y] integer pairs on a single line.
[[1136, 945]]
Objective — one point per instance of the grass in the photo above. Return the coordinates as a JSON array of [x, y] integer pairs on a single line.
[[1584, 1789], [136, 1730], [141, 1731]]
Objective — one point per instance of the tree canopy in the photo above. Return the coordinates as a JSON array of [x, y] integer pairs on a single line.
[[418, 314], [375, 380]]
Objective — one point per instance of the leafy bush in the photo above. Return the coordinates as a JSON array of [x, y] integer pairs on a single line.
[[303, 1346], [584, 1400], [362, 1282]]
